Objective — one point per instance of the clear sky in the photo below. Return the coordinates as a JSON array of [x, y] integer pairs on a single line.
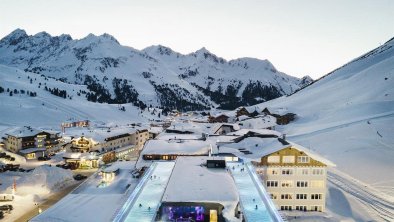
[[300, 37]]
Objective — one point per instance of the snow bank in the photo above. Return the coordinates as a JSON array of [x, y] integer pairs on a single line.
[[44, 179]]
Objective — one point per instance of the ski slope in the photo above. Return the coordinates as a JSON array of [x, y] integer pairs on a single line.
[[348, 117]]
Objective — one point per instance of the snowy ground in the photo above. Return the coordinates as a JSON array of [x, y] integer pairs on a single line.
[[33, 187], [90, 197]]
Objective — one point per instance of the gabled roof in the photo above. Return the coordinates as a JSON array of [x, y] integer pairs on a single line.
[[24, 131], [260, 147]]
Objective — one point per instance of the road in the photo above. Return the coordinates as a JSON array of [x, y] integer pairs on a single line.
[[54, 198]]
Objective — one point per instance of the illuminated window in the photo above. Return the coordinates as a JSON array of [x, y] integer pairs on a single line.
[[303, 171], [288, 159], [273, 159], [317, 183], [286, 183], [317, 171]]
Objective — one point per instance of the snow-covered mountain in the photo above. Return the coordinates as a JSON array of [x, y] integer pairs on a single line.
[[348, 116], [155, 76], [39, 101]]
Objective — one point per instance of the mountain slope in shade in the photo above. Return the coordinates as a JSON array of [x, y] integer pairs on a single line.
[[27, 101], [348, 116], [120, 74]]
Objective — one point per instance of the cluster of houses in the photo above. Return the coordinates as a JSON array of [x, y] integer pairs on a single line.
[[243, 113], [84, 147], [294, 176]]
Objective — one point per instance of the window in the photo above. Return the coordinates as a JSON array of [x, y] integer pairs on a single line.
[[302, 196], [287, 172], [273, 171], [285, 208], [317, 183], [274, 196], [303, 171], [316, 196], [316, 208], [302, 183], [303, 159], [301, 208], [288, 159], [286, 183], [273, 159], [271, 183], [286, 196], [317, 171]]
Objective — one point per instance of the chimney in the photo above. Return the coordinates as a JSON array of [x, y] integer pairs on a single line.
[[284, 136]]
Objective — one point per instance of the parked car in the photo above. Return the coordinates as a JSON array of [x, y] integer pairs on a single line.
[[43, 158], [65, 166], [7, 207], [80, 177]]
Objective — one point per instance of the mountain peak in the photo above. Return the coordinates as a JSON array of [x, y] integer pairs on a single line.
[[109, 37], [202, 51], [42, 35], [18, 32], [15, 37], [105, 37]]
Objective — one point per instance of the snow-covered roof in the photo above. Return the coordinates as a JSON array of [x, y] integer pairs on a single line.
[[259, 131], [199, 183], [259, 123], [217, 126], [23, 131], [111, 169], [188, 147], [260, 147], [100, 134], [76, 155], [31, 150]]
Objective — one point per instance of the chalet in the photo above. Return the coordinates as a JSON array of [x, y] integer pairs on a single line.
[[294, 176], [284, 119], [30, 142], [266, 111], [222, 118], [81, 160], [222, 129], [105, 145], [256, 133], [242, 111]]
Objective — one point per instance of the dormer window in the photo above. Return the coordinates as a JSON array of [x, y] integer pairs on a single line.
[[303, 159]]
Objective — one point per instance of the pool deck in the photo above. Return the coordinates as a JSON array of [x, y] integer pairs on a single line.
[[252, 194], [145, 200]]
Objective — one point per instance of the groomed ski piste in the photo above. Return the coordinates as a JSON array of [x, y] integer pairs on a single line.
[[144, 201], [252, 194]]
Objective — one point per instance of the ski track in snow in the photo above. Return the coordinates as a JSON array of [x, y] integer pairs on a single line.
[[375, 202], [328, 129]]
